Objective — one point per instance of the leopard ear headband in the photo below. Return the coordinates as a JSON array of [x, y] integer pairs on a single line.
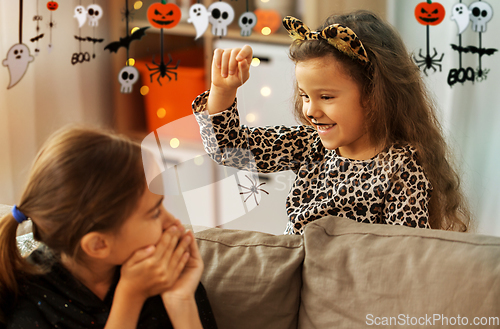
[[339, 36]]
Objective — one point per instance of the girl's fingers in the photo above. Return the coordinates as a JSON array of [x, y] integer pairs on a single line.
[[246, 53], [167, 242], [225, 63], [141, 255], [233, 63], [216, 62]]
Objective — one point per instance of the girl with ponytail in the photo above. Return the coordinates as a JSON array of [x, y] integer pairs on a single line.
[[111, 256]]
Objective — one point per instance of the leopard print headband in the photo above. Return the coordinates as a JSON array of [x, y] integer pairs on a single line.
[[339, 36]]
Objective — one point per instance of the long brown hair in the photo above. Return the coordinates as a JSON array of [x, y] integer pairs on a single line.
[[82, 180], [398, 107]]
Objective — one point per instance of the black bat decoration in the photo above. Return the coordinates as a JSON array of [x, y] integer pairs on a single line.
[[125, 42], [90, 39], [474, 50], [38, 37]]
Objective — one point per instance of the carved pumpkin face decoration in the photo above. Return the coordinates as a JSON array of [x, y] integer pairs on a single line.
[[267, 18], [164, 16], [428, 13], [52, 5]]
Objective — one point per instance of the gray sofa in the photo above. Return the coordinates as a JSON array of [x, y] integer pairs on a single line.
[[344, 274]]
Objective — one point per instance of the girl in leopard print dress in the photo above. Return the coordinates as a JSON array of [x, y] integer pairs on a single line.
[[369, 148]]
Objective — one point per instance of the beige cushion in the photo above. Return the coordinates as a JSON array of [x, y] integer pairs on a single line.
[[252, 279], [355, 273]]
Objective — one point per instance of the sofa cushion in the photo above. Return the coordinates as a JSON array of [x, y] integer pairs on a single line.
[[357, 274], [253, 279]]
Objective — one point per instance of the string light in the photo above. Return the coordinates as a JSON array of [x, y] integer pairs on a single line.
[[144, 90], [255, 62], [130, 62], [198, 160], [161, 113], [174, 143], [265, 91], [266, 30], [134, 29], [138, 5], [250, 117]]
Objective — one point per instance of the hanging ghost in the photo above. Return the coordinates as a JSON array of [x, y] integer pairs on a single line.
[[221, 15], [461, 15], [80, 15], [198, 16], [95, 13], [127, 77], [247, 22], [480, 14], [18, 58]]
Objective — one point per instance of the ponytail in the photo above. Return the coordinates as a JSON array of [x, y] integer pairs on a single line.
[[12, 264]]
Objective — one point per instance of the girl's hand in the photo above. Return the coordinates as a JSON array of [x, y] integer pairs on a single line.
[[153, 270], [184, 288], [230, 69]]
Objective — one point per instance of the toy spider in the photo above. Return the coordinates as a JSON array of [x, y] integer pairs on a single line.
[[253, 190], [429, 61], [163, 69], [481, 74]]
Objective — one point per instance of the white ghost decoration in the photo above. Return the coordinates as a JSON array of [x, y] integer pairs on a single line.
[[221, 15], [480, 14], [17, 62], [80, 15], [247, 22], [461, 16], [95, 13], [198, 16], [127, 77]]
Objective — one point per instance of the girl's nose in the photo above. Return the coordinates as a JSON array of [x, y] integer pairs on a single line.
[[313, 111]]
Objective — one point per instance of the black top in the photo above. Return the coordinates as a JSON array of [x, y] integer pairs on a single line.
[[58, 300]]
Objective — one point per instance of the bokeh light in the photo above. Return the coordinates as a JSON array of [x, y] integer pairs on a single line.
[[174, 143], [161, 113]]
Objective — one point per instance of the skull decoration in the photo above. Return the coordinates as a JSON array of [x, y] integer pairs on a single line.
[[221, 15], [95, 13], [246, 22], [480, 14], [127, 77]]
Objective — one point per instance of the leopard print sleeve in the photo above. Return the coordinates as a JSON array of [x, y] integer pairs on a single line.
[[407, 199], [273, 148]]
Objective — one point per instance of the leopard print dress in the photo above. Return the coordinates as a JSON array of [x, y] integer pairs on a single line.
[[390, 188]]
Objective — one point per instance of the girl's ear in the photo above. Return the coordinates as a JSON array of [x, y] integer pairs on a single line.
[[96, 245]]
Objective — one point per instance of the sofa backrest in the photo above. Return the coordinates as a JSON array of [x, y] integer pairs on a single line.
[[359, 275], [253, 280]]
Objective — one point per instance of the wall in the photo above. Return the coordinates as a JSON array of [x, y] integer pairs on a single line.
[[52, 93]]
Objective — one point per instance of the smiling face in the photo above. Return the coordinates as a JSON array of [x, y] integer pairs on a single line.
[[429, 13], [331, 102], [143, 228]]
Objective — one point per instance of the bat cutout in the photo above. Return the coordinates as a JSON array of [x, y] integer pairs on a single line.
[[125, 42], [90, 39], [38, 37], [474, 50]]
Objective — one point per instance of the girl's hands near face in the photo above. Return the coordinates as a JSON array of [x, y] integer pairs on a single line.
[[187, 283], [152, 270], [231, 67]]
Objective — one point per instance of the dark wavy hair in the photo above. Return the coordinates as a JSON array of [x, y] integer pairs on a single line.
[[399, 109]]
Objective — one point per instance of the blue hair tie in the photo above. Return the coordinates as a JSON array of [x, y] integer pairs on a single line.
[[18, 215]]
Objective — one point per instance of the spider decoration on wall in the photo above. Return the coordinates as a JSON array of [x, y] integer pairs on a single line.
[[163, 15], [429, 13], [479, 13], [253, 189]]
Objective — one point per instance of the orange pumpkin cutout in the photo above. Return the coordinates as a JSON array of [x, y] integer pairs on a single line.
[[52, 5], [164, 15], [267, 18], [429, 13]]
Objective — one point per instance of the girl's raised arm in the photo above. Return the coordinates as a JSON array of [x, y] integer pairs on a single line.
[[230, 70]]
